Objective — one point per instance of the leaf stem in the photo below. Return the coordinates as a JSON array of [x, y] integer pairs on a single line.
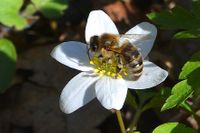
[[133, 125], [120, 121]]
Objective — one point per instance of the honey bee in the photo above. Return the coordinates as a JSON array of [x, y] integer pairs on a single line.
[[128, 55]]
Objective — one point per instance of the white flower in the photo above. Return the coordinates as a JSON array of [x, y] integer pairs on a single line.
[[87, 85]]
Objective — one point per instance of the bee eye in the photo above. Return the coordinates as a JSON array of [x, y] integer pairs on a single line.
[[94, 43]]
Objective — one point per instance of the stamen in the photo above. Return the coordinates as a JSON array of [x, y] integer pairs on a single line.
[[119, 76], [108, 65], [91, 62], [96, 70], [113, 74]]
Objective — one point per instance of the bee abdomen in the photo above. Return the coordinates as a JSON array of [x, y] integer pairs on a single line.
[[135, 68], [133, 60]]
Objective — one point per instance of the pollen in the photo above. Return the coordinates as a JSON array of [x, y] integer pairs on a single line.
[[113, 74], [119, 76], [125, 73], [108, 73], [102, 72], [91, 62], [108, 65], [96, 70]]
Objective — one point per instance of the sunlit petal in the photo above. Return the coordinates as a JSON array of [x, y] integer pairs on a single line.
[[98, 23], [145, 43], [152, 75], [78, 92], [111, 92], [72, 54]]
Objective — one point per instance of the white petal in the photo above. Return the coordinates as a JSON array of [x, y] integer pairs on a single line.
[[144, 28], [111, 92], [78, 92], [72, 54], [152, 75], [98, 23]]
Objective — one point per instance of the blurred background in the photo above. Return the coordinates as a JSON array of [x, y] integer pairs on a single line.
[[29, 99]]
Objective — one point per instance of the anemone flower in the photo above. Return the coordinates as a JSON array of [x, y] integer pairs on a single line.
[[88, 84]]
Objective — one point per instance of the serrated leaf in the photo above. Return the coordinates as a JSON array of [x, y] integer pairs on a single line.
[[158, 99], [51, 8], [180, 92], [9, 14], [173, 127], [177, 18], [188, 34], [190, 66], [7, 63]]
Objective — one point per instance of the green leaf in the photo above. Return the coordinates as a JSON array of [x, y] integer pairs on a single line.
[[177, 18], [51, 8], [130, 100], [173, 127], [29, 10], [7, 63], [9, 14], [196, 9], [145, 95], [180, 92], [158, 99], [188, 34], [190, 66]]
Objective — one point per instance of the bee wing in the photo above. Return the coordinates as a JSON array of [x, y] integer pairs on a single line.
[[138, 37], [145, 45]]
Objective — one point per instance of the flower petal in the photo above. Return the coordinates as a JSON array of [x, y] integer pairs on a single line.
[[152, 75], [144, 28], [72, 54], [78, 92], [98, 23], [111, 92]]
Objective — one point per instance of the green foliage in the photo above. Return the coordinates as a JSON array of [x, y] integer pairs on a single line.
[[50, 8], [158, 99], [173, 127], [180, 18], [189, 22], [145, 95], [189, 84], [8, 58], [190, 66], [9, 14], [180, 92], [188, 34], [193, 81], [130, 100]]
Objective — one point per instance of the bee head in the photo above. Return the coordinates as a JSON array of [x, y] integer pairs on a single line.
[[94, 43]]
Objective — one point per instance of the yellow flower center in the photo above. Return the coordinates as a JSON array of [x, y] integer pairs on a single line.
[[108, 65]]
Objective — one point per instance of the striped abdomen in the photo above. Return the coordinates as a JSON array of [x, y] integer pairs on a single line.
[[133, 60]]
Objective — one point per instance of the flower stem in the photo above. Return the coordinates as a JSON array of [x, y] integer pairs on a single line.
[[120, 121], [133, 125]]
